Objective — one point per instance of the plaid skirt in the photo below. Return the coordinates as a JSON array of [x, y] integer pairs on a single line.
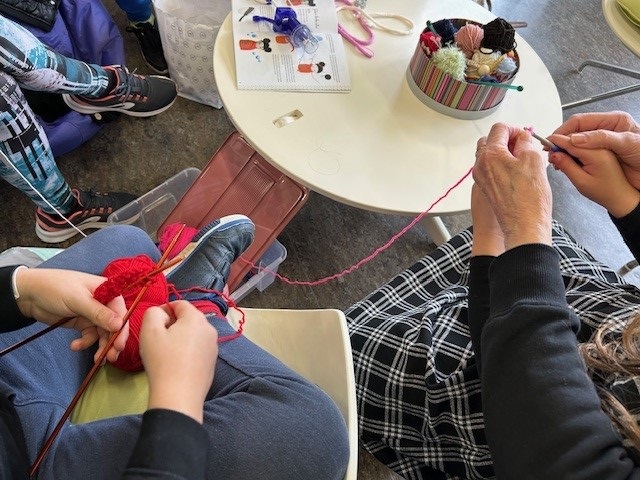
[[418, 390]]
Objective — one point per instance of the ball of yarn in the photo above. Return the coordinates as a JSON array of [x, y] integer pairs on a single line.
[[451, 60], [168, 234], [123, 277], [446, 29], [469, 38], [499, 35], [506, 67], [430, 42]]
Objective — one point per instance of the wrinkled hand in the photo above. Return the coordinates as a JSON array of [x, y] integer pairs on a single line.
[[49, 295], [488, 238], [614, 131], [179, 356], [512, 175], [601, 178]]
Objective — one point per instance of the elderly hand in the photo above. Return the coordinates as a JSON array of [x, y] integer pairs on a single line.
[[512, 175], [614, 131], [488, 238], [179, 356], [49, 295]]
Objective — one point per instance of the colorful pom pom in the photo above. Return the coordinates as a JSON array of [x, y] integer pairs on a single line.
[[451, 60]]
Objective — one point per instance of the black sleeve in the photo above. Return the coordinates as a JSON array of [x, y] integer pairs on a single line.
[[171, 445], [478, 301], [10, 316], [629, 228], [542, 414]]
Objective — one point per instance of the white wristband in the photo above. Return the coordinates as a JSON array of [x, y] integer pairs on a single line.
[[14, 285]]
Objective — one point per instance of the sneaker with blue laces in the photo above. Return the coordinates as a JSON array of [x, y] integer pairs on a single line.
[[133, 94], [208, 258]]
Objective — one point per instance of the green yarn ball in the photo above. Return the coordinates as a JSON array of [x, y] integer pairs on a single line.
[[450, 60]]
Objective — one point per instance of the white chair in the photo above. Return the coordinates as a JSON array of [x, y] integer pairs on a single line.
[[315, 344]]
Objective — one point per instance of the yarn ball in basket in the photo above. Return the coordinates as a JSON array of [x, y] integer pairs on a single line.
[[452, 61], [431, 42], [446, 29], [469, 38], [122, 275], [499, 35], [506, 67]]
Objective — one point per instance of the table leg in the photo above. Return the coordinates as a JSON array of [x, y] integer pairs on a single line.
[[436, 229]]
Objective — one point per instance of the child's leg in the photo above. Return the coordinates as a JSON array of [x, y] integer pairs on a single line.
[[263, 421], [36, 66], [136, 10], [43, 376], [24, 146]]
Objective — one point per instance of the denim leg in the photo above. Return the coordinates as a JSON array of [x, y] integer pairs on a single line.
[[136, 10], [43, 376], [266, 421], [263, 421], [94, 252]]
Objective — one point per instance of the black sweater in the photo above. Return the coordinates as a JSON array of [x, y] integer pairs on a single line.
[[171, 445], [542, 415]]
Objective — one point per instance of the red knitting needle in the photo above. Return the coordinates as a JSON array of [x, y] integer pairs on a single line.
[[98, 363], [53, 326]]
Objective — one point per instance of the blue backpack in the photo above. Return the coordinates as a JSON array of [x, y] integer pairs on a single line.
[[83, 30]]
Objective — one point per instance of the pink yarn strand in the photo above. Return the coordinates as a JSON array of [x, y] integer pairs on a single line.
[[370, 257]]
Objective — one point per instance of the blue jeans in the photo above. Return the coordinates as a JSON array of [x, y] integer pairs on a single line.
[[264, 421], [136, 10]]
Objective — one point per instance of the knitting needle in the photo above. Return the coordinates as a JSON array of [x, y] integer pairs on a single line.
[[53, 326], [35, 335], [497, 85], [97, 365], [551, 146]]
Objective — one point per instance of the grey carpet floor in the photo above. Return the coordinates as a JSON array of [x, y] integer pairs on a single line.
[[325, 237]]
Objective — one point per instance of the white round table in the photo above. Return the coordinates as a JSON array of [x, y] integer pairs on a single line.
[[378, 147]]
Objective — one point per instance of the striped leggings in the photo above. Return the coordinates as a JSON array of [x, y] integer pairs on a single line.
[[26, 160]]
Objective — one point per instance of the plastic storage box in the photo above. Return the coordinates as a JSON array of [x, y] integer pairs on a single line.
[[238, 180], [151, 209], [261, 279]]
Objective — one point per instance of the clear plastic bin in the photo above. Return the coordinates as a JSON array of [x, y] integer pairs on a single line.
[[271, 260], [151, 209]]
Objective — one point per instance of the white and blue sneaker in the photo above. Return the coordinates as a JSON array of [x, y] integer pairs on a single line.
[[209, 255]]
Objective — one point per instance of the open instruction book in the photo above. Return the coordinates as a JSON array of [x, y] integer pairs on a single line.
[[267, 60]]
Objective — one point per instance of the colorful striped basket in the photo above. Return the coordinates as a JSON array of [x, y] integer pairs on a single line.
[[443, 93]]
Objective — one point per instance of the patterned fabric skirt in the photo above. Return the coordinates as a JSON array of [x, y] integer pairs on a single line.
[[418, 390]]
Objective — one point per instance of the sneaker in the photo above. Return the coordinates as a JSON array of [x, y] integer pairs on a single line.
[[93, 210], [208, 258], [150, 45], [135, 95]]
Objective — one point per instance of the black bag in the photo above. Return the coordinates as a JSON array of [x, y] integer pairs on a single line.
[[39, 13]]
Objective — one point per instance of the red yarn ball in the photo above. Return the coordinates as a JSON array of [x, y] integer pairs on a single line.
[[124, 278], [430, 42]]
